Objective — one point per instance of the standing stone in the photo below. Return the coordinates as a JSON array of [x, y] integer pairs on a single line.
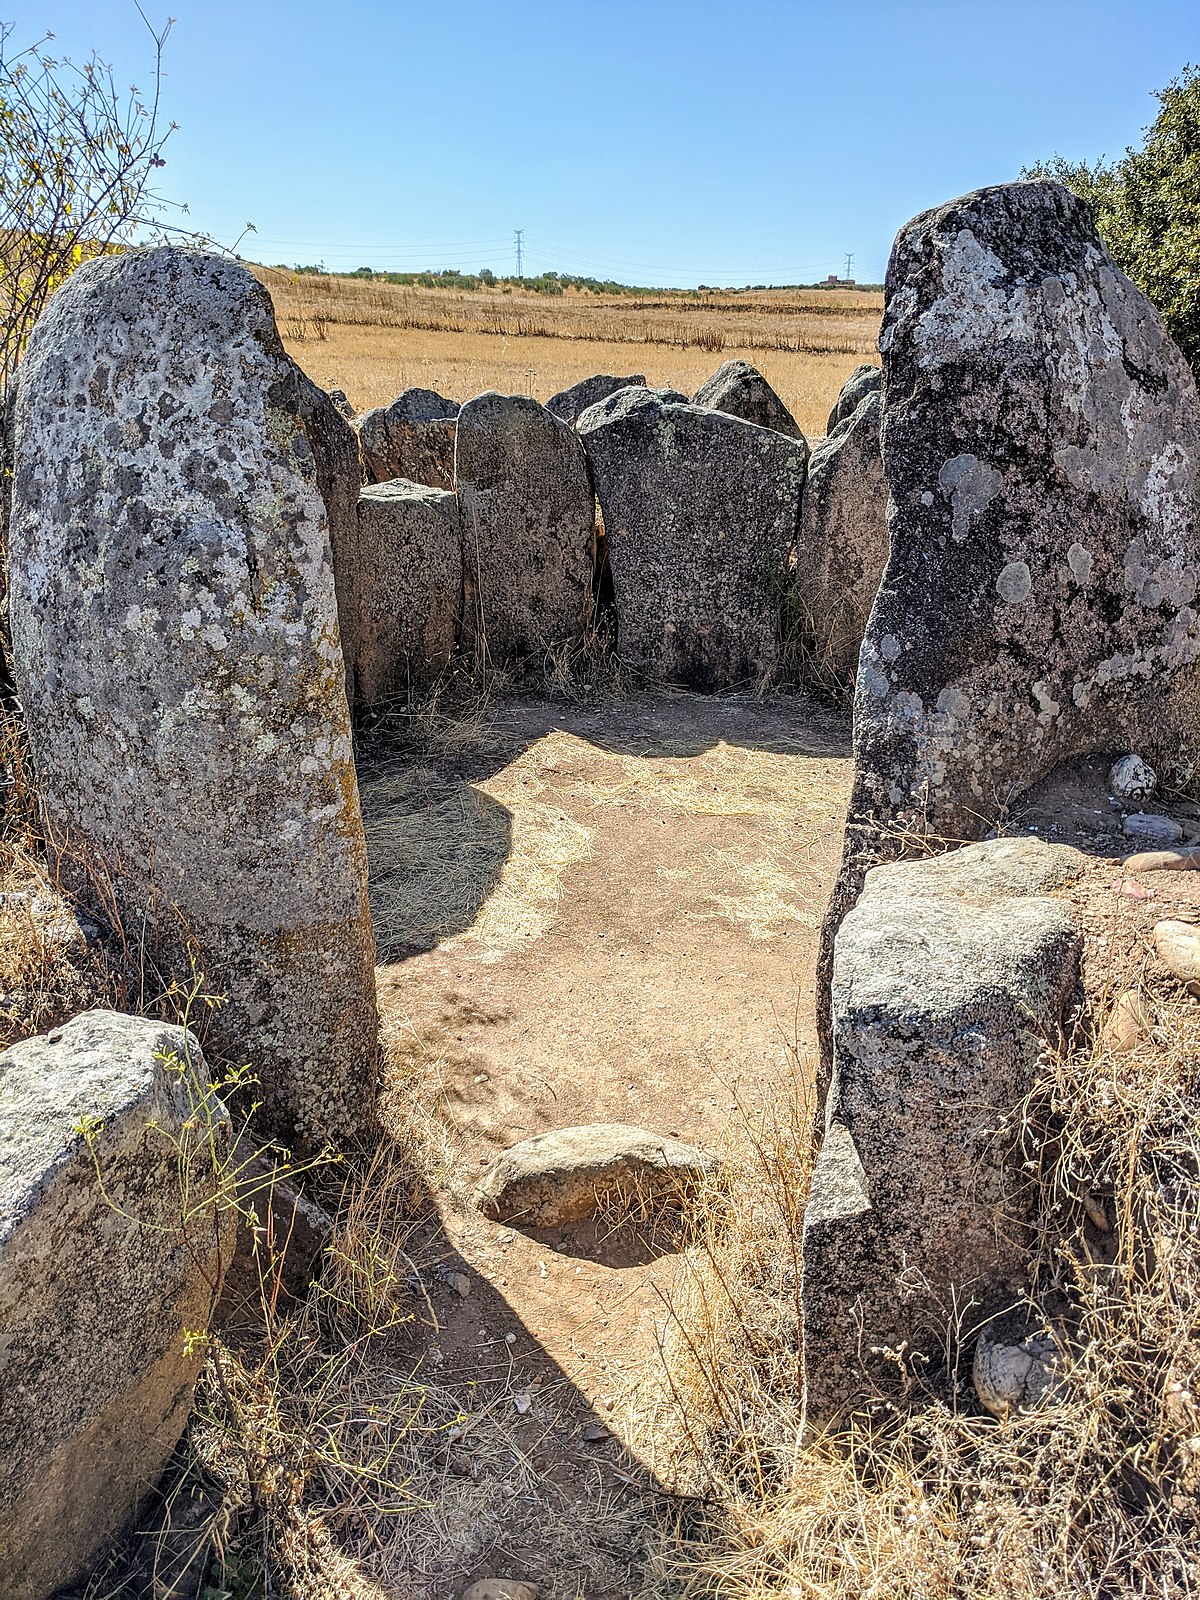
[[176, 645], [570, 404], [1040, 449], [700, 515], [413, 582], [1040, 446], [951, 978], [862, 381], [412, 438], [741, 390], [528, 527], [100, 1279], [843, 544], [340, 403]]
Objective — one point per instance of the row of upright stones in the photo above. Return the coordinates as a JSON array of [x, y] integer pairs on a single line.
[[478, 533]]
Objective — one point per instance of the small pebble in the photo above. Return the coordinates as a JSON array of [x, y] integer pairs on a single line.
[[1151, 825]]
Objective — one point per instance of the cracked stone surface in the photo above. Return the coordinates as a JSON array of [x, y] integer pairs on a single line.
[[176, 643]]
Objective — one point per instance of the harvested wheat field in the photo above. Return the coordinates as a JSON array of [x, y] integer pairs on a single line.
[[374, 339], [585, 912]]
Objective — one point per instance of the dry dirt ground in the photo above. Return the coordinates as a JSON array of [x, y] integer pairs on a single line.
[[585, 912]]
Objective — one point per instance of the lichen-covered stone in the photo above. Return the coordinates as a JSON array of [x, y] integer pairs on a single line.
[[740, 390], [951, 975], [528, 529], [411, 587], [843, 546], [864, 380], [176, 643], [701, 512], [1040, 445], [412, 438], [570, 404], [113, 1243], [1040, 442]]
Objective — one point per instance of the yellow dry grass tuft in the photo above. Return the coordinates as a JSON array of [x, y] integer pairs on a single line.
[[1095, 1493]]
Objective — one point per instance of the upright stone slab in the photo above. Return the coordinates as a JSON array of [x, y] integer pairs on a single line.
[[528, 527], [112, 1248], [741, 390], [412, 438], [176, 644], [1040, 443], [700, 515], [951, 977], [864, 380], [843, 546], [413, 577], [570, 404]]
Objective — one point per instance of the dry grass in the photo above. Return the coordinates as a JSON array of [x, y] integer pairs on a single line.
[[1095, 1493], [373, 340]]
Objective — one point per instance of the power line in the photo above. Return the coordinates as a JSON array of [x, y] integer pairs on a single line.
[[517, 232], [849, 274]]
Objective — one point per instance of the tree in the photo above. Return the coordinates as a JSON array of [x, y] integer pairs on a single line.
[[1147, 208], [77, 159]]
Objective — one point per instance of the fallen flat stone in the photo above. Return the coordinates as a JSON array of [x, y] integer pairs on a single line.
[[1178, 944], [105, 1127], [701, 512], [949, 977], [864, 380], [1163, 861], [412, 438], [1153, 827], [410, 587], [571, 1174], [528, 529], [843, 546], [175, 638], [740, 390], [570, 404]]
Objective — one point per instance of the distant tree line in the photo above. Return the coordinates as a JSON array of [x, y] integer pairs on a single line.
[[1147, 208], [542, 283]]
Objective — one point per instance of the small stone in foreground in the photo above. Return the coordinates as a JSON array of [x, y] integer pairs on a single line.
[[570, 1174], [1178, 944], [1014, 1369], [1150, 825]]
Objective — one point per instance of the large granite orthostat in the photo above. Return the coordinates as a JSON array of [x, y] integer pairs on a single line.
[[951, 978], [176, 644], [528, 529], [112, 1249], [701, 511]]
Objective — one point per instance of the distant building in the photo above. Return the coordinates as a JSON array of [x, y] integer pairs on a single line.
[[834, 282]]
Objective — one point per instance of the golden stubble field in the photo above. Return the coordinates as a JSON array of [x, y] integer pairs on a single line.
[[374, 339]]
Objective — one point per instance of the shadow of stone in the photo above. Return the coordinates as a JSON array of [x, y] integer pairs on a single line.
[[436, 846], [621, 1244]]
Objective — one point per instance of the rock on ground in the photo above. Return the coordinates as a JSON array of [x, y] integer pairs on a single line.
[[950, 976], [570, 404], [528, 529], [99, 1279], [843, 547], [176, 643], [1015, 1366], [281, 1234], [412, 438], [571, 1174], [1040, 449], [701, 512], [740, 390], [411, 587], [862, 381]]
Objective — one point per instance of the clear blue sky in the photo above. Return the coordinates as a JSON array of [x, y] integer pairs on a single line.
[[656, 141]]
